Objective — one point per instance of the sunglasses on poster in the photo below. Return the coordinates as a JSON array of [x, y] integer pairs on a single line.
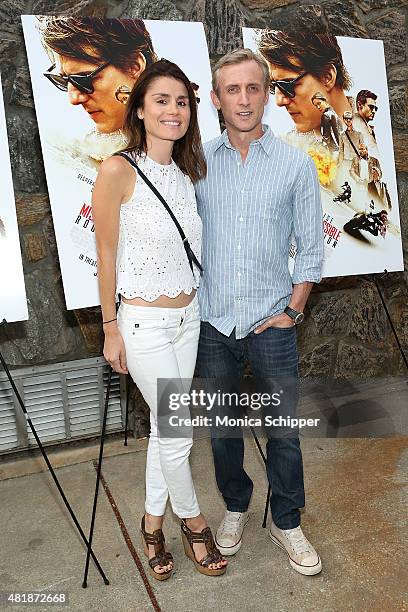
[[286, 86], [373, 107], [82, 82]]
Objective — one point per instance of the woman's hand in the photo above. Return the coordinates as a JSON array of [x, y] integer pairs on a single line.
[[114, 350]]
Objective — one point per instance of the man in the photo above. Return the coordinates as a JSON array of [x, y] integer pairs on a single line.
[[366, 110], [257, 191], [378, 190], [329, 123], [97, 75], [301, 64], [362, 167], [350, 141]]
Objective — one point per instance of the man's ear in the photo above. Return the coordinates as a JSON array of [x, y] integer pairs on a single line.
[[329, 77], [138, 65], [215, 99]]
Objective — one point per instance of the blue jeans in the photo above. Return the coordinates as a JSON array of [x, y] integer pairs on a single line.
[[271, 354]]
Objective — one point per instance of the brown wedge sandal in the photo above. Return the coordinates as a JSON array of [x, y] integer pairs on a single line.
[[214, 556], [161, 557]]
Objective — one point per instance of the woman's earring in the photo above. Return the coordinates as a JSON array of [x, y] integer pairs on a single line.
[[122, 94]]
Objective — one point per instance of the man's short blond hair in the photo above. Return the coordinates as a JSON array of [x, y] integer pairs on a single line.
[[237, 57]]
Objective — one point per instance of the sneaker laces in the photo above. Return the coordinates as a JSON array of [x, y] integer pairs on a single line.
[[231, 525], [298, 541]]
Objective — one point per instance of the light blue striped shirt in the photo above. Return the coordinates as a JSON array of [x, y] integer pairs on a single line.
[[249, 212]]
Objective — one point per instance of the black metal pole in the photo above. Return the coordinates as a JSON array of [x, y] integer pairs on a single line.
[[51, 469], [127, 409], [268, 495], [397, 340], [98, 477]]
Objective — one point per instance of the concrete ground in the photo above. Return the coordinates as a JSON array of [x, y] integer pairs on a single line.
[[356, 516]]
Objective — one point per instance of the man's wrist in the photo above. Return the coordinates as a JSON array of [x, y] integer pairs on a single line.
[[297, 316]]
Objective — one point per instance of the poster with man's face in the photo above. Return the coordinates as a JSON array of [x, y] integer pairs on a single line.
[[13, 304], [82, 71], [329, 97]]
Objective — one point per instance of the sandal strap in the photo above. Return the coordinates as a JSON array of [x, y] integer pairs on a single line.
[[162, 559], [205, 537], [157, 537], [214, 557]]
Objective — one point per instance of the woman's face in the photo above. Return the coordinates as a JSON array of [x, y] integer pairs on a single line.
[[102, 106], [166, 109]]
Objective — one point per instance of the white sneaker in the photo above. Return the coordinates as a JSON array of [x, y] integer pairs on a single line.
[[302, 556], [229, 534]]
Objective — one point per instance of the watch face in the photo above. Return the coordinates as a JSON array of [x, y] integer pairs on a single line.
[[299, 318]]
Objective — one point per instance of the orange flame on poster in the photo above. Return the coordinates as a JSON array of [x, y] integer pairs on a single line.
[[325, 166]]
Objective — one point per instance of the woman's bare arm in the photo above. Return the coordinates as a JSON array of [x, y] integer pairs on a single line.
[[112, 187]]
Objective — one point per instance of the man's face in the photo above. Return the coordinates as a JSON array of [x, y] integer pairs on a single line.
[[376, 175], [349, 123], [305, 115], [367, 111], [241, 96], [319, 104], [102, 107], [363, 151]]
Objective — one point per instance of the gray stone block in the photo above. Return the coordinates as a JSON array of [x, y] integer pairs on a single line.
[[21, 93], [25, 154], [46, 335], [391, 28], [402, 179], [96, 8], [10, 11], [355, 361], [343, 19], [398, 104], [331, 314], [223, 20], [318, 361], [368, 320], [145, 9], [368, 5]]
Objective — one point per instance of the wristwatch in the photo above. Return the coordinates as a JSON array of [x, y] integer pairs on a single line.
[[294, 314]]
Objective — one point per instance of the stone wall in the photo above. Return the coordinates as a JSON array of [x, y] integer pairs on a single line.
[[346, 333]]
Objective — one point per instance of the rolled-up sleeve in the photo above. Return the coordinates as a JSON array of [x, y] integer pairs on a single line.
[[308, 225]]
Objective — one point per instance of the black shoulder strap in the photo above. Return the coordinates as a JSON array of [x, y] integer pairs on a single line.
[[352, 144], [190, 254]]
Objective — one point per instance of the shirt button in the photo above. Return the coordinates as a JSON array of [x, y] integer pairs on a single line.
[[239, 274], [241, 218], [239, 247]]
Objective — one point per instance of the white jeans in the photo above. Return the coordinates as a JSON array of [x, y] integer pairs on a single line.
[[162, 343]]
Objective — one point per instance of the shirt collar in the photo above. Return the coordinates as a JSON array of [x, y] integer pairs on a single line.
[[266, 140]]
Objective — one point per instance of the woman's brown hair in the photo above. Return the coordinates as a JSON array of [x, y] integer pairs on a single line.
[[188, 151]]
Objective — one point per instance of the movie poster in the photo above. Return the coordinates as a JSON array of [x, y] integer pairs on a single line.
[[80, 123], [329, 97], [13, 304]]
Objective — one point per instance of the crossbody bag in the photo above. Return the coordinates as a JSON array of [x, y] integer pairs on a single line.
[[192, 259]]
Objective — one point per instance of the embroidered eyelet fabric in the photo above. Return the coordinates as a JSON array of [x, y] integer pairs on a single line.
[[151, 259]]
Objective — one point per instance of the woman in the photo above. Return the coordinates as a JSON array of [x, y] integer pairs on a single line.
[[141, 256]]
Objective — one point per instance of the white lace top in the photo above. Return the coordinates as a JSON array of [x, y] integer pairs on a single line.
[[151, 259]]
